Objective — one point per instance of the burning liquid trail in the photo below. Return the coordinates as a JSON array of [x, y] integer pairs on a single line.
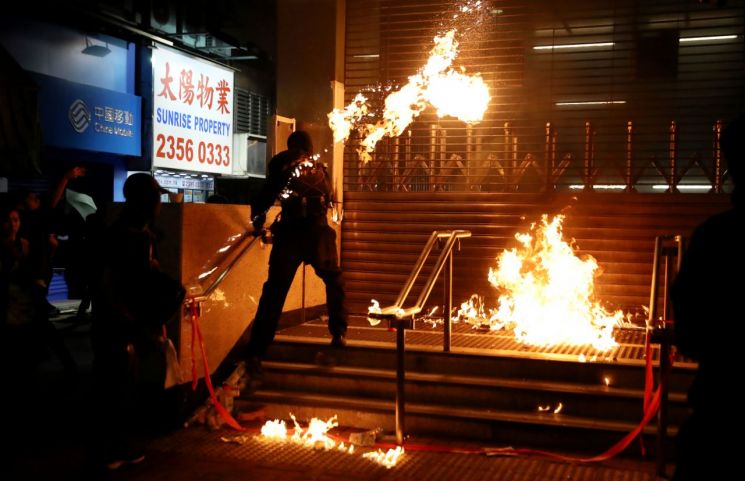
[[450, 92]]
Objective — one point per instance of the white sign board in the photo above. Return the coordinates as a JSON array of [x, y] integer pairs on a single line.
[[192, 113]]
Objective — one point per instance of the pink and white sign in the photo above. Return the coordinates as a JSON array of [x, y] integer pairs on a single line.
[[192, 113]]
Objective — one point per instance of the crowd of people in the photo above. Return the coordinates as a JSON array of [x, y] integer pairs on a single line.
[[116, 273]]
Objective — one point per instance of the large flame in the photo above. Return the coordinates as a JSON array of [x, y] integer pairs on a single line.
[[451, 93], [547, 292]]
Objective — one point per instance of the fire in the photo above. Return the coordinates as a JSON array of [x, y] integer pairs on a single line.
[[316, 436], [374, 309], [274, 430], [451, 93], [547, 293], [388, 458], [474, 312]]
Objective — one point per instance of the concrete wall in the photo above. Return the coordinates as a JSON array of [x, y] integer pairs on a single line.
[[195, 233], [310, 57]]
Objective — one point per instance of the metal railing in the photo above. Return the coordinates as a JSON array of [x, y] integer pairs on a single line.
[[402, 318], [217, 268], [666, 261], [458, 159]]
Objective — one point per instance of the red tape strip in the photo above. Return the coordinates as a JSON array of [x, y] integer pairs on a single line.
[[197, 333]]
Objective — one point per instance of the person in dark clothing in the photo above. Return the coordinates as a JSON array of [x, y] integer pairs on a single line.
[[301, 235], [707, 303], [126, 334]]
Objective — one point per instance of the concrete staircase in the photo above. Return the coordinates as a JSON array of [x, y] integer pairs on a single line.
[[477, 394]]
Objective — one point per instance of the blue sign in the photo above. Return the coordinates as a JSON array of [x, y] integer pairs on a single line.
[[78, 116]]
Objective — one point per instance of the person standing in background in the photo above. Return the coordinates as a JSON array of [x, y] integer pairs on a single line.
[[706, 297]]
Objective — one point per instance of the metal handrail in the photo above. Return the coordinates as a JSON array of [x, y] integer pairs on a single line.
[[221, 276], [396, 310], [400, 316], [661, 332]]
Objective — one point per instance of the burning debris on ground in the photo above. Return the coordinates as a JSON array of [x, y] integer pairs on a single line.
[[317, 436]]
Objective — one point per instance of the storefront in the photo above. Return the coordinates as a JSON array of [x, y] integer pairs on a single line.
[[185, 187], [192, 123], [88, 112]]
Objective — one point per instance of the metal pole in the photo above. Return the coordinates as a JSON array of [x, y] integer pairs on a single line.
[[629, 156], [681, 247], [549, 160], [506, 164], [653, 290], [396, 163], [432, 156], [717, 158], [673, 157], [448, 304], [665, 367], [400, 380], [588, 156]]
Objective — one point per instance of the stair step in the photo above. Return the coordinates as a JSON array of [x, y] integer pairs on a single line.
[[496, 426], [592, 401], [465, 362]]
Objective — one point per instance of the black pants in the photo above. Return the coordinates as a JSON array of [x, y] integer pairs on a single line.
[[294, 244], [127, 395]]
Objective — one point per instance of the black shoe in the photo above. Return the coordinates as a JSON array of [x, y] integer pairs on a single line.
[[338, 341]]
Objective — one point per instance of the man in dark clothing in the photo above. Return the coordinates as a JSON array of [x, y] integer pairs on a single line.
[[707, 302], [128, 363], [302, 234]]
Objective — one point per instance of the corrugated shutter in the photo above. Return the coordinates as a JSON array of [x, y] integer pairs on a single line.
[[584, 94], [565, 80], [384, 232]]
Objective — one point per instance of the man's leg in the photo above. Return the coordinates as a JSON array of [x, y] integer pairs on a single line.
[[283, 263], [325, 262]]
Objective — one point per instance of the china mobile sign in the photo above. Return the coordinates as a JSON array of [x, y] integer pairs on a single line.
[[192, 113]]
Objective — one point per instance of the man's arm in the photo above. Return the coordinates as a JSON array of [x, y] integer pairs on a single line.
[[59, 189], [275, 182]]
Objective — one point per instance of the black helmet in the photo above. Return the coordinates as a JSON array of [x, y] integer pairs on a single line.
[[300, 140]]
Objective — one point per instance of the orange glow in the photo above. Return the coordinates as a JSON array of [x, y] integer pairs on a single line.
[[274, 430], [388, 458], [546, 293], [316, 436], [451, 93]]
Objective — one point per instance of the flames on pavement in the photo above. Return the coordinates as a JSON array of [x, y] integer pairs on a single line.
[[316, 436]]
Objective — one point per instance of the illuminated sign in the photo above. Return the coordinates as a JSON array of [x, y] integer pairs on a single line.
[[192, 113], [170, 182], [78, 116]]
